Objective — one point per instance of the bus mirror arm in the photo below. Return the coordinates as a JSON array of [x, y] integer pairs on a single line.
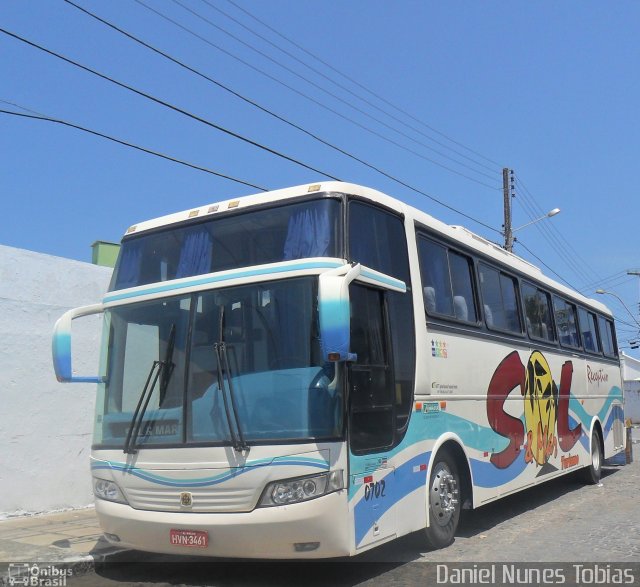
[[61, 345], [335, 311]]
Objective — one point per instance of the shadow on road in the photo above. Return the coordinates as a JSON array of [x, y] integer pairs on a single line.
[[389, 560]]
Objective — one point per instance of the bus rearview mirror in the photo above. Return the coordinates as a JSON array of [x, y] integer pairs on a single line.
[[61, 345], [335, 313]]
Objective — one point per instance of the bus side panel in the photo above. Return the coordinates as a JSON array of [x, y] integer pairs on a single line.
[[605, 402], [387, 489], [524, 415]]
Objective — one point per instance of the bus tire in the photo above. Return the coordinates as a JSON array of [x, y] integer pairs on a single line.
[[443, 500], [593, 472]]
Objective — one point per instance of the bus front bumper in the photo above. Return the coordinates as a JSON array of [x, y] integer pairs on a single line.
[[317, 528]]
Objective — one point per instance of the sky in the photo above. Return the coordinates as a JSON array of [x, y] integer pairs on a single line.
[[438, 96]]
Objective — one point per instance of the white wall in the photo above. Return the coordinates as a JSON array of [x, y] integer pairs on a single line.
[[45, 426], [631, 377]]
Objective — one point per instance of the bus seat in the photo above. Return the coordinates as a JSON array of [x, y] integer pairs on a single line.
[[460, 307], [488, 315], [544, 331], [430, 299]]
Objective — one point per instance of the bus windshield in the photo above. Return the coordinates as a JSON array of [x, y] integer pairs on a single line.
[[230, 241], [241, 361]]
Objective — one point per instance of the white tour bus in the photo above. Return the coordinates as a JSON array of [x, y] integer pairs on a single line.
[[314, 371]]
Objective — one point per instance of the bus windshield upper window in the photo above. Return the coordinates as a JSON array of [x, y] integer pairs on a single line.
[[268, 235]]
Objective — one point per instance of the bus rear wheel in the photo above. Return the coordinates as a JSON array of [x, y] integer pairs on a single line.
[[593, 472], [444, 501]]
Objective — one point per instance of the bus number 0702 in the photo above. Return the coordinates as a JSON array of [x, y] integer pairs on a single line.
[[374, 489]]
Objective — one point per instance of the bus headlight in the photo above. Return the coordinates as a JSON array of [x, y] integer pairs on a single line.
[[301, 489], [107, 490]]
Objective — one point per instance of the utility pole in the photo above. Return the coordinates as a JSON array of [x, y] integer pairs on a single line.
[[507, 190], [637, 273]]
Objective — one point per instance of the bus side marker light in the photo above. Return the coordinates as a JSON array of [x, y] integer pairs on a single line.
[[233, 204], [368, 479], [443, 405], [212, 209], [194, 213], [313, 188], [418, 406], [305, 546]]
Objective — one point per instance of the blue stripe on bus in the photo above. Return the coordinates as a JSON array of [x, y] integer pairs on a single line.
[[185, 283], [206, 481], [398, 485]]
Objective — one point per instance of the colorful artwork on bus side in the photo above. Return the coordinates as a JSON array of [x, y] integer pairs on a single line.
[[546, 427]]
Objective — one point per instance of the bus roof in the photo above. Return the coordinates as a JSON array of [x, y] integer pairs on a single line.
[[455, 233]]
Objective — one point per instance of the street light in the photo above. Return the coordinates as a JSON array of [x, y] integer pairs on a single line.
[[508, 234], [547, 215], [602, 291]]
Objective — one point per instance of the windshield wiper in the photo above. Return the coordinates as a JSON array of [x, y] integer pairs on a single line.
[[225, 378], [167, 364], [159, 370]]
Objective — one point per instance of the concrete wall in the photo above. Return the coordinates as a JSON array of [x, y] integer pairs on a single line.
[[45, 426], [631, 377]]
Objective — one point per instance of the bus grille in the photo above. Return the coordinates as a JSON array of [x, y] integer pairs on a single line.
[[204, 499]]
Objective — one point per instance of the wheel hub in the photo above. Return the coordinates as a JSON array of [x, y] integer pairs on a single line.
[[443, 495]]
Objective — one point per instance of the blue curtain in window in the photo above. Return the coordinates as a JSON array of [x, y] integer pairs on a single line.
[[195, 254], [129, 265], [308, 234]]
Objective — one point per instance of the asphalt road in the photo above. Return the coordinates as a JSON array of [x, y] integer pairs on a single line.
[[560, 521]]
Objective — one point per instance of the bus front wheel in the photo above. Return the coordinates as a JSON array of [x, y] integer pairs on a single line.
[[444, 501], [593, 472]]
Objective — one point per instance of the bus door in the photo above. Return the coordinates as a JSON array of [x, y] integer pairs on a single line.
[[371, 415], [380, 380]]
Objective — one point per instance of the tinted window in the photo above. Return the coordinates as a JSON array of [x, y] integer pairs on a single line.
[[371, 387], [377, 239], [537, 311], [500, 300], [566, 322], [588, 331], [607, 336], [447, 282], [269, 235]]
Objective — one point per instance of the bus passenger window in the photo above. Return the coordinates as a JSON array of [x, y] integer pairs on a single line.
[[566, 321], [447, 280], [588, 330], [435, 278], [607, 336], [537, 310], [500, 300]]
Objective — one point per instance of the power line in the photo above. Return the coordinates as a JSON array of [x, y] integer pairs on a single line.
[[167, 104], [126, 144], [311, 99], [559, 237], [548, 236], [280, 118], [346, 89], [519, 242], [355, 82], [322, 88]]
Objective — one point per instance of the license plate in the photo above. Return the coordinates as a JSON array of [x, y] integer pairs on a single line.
[[190, 538]]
